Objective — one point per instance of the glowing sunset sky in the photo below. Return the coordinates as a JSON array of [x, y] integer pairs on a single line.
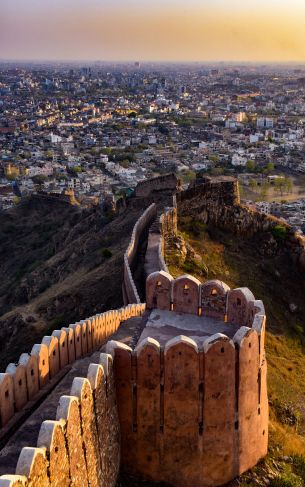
[[193, 30]]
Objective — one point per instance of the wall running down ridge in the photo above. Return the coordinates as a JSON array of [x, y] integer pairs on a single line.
[[130, 291], [81, 446], [21, 382]]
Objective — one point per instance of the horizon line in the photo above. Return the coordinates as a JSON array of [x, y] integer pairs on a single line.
[[151, 61]]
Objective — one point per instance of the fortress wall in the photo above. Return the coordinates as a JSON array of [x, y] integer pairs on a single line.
[[22, 381], [191, 416], [130, 291], [167, 182], [218, 203], [212, 298], [82, 444], [202, 198], [252, 409]]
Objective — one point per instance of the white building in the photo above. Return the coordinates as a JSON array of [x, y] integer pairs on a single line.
[[264, 123], [238, 160], [55, 139]]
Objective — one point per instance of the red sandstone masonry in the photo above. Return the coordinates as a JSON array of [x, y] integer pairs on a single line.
[[219, 414], [188, 416], [18, 374], [159, 290], [181, 412], [148, 407], [23, 380], [129, 288], [212, 298], [63, 444], [186, 292], [192, 417]]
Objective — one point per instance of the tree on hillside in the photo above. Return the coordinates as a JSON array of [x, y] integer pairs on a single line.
[[250, 165], [253, 184], [124, 163], [264, 189], [269, 168], [283, 185]]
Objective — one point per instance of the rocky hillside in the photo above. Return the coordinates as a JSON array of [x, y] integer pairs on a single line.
[[58, 264]]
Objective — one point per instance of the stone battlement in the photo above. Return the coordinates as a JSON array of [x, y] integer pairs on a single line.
[[213, 298], [22, 381], [81, 445], [192, 397], [159, 184], [141, 227], [192, 415]]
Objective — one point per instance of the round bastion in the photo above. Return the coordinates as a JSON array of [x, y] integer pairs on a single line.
[[192, 396]]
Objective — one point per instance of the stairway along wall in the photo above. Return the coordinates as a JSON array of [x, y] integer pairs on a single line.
[[81, 446]]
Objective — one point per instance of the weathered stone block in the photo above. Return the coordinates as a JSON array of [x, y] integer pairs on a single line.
[[33, 464]]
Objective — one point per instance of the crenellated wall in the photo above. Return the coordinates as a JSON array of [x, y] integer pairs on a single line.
[[81, 446], [159, 184], [22, 381], [194, 412], [130, 291], [188, 411], [214, 298], [192, 416]]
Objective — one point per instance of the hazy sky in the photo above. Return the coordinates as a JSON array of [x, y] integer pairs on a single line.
[[194, 30]]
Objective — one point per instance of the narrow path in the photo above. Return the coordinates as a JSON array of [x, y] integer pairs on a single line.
[[138, 270], [152, 253]]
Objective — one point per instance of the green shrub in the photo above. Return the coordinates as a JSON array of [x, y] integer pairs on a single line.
[[195, 227], [286, 481], [188, 267], [279, 232], [298, 465]]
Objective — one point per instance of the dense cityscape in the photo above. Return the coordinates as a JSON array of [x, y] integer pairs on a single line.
[[95, 130]]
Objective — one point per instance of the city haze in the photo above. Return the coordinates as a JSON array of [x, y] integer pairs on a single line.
[[155, 31]]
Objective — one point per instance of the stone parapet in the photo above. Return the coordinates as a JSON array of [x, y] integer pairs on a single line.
[[23, 380], [81, 446], [130, 291], [192, 414]]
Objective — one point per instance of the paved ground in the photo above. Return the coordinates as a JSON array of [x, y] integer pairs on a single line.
[[164, 325], [152, 254]]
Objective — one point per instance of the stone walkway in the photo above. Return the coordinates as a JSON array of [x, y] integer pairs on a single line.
[[164, 325], [152, 254]]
